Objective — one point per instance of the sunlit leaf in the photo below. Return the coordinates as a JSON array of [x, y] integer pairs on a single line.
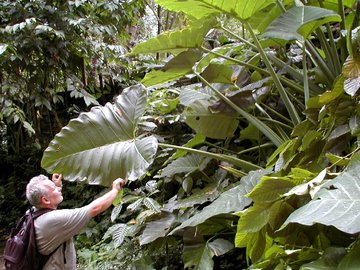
[[336, 204], [200, 8]]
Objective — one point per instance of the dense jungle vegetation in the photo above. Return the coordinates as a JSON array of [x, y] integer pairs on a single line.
[[236, 124]]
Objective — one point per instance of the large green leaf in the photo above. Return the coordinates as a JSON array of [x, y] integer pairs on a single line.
[[213, 125], [229, 201], [190, 37], [101, 145], [299, 22], [243, 9], [176, 68], [336, 204]]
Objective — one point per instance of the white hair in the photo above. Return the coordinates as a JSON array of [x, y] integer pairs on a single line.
[[35, 190]]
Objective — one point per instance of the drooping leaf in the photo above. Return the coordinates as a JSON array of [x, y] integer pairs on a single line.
[[336, 204], [299, 22], [229, 201], [101, 145], [157, 229]]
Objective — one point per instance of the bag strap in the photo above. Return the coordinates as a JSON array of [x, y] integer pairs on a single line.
[[35, 214]]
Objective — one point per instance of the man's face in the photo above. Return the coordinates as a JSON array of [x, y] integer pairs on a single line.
[[54, 195]]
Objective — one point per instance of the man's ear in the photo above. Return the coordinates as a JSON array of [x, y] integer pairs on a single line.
[[44, 201]]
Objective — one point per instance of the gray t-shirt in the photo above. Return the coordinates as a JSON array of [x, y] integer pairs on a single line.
[[54, 228]]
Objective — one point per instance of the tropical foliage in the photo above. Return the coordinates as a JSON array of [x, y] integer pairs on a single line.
[[245, 138]]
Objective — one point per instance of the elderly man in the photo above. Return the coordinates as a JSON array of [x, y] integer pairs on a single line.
[[59, 226]]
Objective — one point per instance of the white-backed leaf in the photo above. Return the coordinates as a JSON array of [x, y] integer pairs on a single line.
[[336, 204], [115, 212], [152, 204], [118, 232]]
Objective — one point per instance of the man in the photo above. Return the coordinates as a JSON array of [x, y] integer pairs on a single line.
[[57, 227]]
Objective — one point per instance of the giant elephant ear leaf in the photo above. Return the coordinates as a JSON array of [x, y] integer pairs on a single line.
[[336, 204], [101, 145], [299, 22]]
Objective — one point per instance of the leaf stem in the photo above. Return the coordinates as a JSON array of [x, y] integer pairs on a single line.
[[233, 160]]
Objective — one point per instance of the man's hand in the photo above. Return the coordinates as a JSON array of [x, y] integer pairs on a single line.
[[118, 184], [57, 179]]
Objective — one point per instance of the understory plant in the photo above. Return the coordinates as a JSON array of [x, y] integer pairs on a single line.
[[245, 139]]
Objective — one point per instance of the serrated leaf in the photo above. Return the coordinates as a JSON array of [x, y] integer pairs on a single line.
[[157, 229], [101, 145], [336, 204], [229, 201]]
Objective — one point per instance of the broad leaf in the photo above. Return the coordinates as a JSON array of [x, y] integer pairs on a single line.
[[299, 22], [101, 145], [190, 37], [213, 125], [336, 204], [243, 9], [198, 257], [187, 164], [157, 229], [176, 68], [253, 219], [229, 201]]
